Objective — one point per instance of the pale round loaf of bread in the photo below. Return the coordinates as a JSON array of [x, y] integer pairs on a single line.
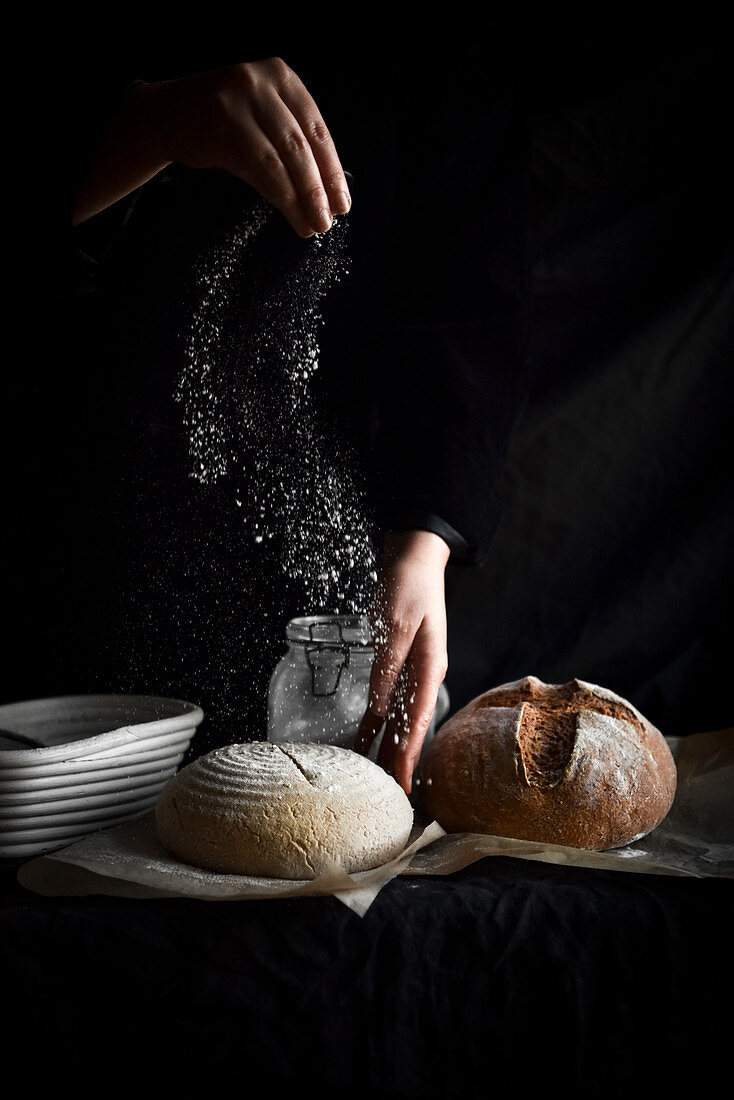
[[571, 764], [283, 810]]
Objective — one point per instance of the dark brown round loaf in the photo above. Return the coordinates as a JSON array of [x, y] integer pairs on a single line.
[[570, 764]]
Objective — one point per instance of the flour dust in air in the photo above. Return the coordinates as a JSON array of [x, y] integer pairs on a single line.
[[253, 420]]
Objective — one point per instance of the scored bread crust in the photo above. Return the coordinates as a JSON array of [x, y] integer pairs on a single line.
[[572, 764], [288, 811]]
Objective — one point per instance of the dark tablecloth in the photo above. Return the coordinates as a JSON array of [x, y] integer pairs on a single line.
[[506, 974]]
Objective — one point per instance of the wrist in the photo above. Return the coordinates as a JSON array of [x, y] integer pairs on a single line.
[[150, 111], [129, 153], [416, 544]]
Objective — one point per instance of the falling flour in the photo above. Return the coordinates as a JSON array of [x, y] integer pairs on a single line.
[[253, 421]]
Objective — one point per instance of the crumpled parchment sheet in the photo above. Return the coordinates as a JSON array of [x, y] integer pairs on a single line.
[[695, 839]]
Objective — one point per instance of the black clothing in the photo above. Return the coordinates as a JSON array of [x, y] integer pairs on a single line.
[[532, 348]]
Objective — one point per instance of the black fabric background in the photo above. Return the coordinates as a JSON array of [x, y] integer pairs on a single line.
[[542, 263], [608, 556]]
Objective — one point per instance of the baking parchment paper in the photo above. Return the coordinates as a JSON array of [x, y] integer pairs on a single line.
[[695, 839], [129, 861]]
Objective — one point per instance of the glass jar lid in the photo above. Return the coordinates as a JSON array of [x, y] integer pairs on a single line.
[[331, 630]]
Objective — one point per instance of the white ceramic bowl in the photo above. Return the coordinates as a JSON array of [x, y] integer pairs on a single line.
[[103, 759]]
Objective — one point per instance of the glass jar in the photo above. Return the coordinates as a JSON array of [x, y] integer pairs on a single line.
[[320, 687]]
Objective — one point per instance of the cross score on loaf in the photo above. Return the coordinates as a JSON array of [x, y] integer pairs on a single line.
[[285, 810]]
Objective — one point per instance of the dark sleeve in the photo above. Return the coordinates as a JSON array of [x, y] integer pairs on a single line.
[[449, 364]]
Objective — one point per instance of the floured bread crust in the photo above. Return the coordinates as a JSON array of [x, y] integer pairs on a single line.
[[570, 764], [283, 810]]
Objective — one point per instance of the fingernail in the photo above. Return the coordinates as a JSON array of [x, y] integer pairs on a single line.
[[324, 219], [343, 203]]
